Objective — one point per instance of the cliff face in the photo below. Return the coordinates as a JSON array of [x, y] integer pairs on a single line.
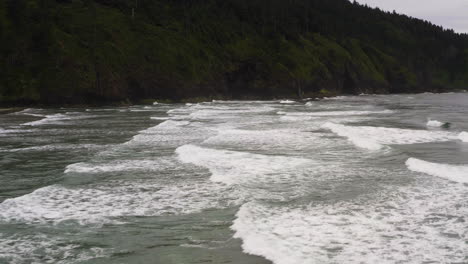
[[73, 51]]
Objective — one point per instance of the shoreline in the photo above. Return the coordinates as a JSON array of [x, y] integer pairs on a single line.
[[12, 107]]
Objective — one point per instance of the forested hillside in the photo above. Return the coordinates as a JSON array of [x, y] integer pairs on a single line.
[[95, 51]]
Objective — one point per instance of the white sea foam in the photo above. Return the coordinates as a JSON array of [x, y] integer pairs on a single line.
[[296, 118], [8, 132], [103, 203], [25, 249], [159, 117], [230, 112], [55, 147], [434, 123], [456, 173], [171, 133], [335, 113], [309, 104], [120, 166], [49, 119], [336, 98], [463, 136], [30, 112], [410, 226], [155, 103], [287, 102], [373, 138], [232, 167], [292, 139]]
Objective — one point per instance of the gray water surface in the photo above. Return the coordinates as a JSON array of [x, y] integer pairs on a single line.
[[345, 180]]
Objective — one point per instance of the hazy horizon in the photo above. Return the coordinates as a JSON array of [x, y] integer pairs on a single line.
[[450, 14]]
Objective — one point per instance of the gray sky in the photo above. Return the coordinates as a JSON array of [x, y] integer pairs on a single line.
[[447, 13]]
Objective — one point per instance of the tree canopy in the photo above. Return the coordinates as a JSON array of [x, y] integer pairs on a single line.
[[91, 51]]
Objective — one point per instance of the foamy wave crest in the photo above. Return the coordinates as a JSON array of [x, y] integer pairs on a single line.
[[288, 118], [456, 173], [120, 165], [169, 124], [463, 136], [20, 250], [54, 147], [232, 167], [388, 229], [335, 113], [171, 133], [159, 117], [287, 102], [266, 139], [49, 119], [4, 132], [30, 112], [335, 98], [373, 138], [228, 112], [434, 123], [56, 204]]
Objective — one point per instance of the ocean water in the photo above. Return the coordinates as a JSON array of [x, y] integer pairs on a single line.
[[363, 179]]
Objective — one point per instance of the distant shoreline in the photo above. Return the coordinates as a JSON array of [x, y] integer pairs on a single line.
[[13, 107]]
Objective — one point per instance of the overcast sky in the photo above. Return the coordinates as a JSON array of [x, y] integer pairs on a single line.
[[447, 13]]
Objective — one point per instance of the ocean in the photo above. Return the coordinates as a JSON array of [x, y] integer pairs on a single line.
[[355, 179]]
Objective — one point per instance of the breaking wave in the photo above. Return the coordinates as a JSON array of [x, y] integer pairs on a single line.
[[374, 138], [456, 173], [463, 136], [232, 167]]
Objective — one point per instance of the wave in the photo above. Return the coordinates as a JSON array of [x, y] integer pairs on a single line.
[[232, 167], [120, 166], [412, 225], [456, 173], [287, 102], [463, 136], [434, 123], [108, 203], [284, 139], [228, 112], [169, 124], [374, 138], [171, 133], [288, 118], [17, 249], [49, 119], [29, 111], [335, 113], [32, 114], [54, 147], [141, 110], [159, 117], [4, 132], [335, 98]]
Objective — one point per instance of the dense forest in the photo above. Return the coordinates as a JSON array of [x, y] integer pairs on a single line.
[[95, 51]]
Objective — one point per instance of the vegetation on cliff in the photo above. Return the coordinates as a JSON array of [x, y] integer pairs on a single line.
[[89, 51]]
